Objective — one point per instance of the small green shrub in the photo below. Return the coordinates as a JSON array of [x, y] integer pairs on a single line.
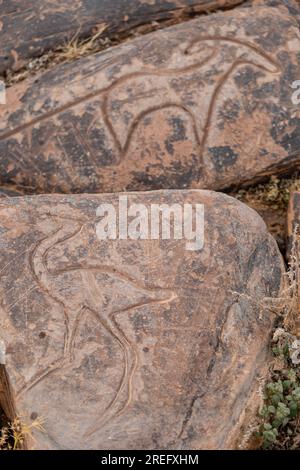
[[281, 406]]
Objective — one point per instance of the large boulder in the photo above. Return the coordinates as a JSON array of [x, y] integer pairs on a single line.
[[134, 343], [205, 104]]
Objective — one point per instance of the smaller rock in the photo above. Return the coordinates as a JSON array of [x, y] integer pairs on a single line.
[[203, 104]]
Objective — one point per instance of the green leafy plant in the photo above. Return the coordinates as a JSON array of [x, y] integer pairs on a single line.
[[281, 406]]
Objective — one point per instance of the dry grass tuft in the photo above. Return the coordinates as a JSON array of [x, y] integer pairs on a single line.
[[71, 50], [15, 434], [76, 48], [286, 306]]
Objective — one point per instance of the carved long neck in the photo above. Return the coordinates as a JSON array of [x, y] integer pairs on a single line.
[[40, 255]]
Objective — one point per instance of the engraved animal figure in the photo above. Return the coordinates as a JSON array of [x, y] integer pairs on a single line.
[[189, 86], [100, 290], [192, 82]]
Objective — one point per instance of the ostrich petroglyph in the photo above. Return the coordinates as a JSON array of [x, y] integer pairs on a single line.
[[84, 287]]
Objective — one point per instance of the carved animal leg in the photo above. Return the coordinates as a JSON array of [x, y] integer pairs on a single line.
[[66, 357], [71, 335], [123, 395], [40, 376], [131, 361]]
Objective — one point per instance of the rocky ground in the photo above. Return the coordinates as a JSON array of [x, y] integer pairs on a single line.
[[191, 98]]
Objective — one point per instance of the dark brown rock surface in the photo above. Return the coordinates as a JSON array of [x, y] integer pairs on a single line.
[[28, 28], [10, 192], [205, 104], [133, 344]]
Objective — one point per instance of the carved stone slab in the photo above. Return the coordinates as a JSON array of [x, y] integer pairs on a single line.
[[293, 223], [134, 344], [29, 28], [204, 104]]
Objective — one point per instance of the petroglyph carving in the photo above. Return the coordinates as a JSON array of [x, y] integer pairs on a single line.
[[141, 87], [90, 299], [145, 86], [116, 333], [132, 98], [198, 114]]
